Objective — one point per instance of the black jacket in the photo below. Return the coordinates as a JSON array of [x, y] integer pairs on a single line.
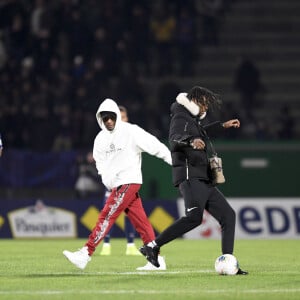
[[187, 162]]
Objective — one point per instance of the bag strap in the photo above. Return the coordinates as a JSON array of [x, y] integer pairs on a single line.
[[212, 148], [210, 144]]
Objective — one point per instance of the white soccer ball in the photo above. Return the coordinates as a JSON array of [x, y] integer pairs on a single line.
[[226, 264]]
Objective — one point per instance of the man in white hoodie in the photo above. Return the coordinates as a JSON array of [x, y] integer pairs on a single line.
[[117, 152], [129, 230]]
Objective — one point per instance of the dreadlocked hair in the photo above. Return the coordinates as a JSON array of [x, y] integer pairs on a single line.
[[205, 96]]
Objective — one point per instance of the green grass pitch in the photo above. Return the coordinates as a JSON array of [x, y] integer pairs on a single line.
[[36, 269]]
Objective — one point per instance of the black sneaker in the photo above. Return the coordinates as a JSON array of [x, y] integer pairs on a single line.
[[241, 272], [143, 250], [151, 254]]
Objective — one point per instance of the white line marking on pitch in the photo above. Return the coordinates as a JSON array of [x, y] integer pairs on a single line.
[[115, 292], [83, 273]]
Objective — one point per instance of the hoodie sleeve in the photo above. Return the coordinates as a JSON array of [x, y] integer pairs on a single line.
[[150, 144], [101, 163], [98, 155]]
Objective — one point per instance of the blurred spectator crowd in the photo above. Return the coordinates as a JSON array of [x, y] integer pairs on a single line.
[[59, 59]]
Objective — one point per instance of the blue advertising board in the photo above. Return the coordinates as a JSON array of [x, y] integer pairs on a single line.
[[69, 218]]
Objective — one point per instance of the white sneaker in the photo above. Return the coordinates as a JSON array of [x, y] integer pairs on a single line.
[[150, 267], [78, 258], [106, 249]]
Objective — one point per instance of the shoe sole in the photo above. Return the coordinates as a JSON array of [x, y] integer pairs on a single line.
[[157, 269]]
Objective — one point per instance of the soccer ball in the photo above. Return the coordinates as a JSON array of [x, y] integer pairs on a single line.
[[226, 264]]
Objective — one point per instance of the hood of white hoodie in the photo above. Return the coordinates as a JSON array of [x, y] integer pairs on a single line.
[[108, 105]]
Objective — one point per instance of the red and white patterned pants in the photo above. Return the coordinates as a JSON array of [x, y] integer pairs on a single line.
[[124, 198]]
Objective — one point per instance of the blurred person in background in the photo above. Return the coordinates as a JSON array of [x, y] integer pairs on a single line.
[[1, 146], [117, 152], [87, 183], [162, 30], [248, 83], [128, 228], [185, 38]]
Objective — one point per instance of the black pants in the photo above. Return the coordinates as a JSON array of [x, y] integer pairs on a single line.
[[199, 195]]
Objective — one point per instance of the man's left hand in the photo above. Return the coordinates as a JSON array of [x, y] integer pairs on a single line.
[[232, 123]]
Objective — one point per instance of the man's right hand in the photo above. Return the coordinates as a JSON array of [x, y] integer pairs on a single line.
[[198, 144]]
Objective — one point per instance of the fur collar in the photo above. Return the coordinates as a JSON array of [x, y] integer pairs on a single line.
[[192, 107]]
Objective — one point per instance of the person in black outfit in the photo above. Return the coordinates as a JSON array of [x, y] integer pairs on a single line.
[[188, 137]]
